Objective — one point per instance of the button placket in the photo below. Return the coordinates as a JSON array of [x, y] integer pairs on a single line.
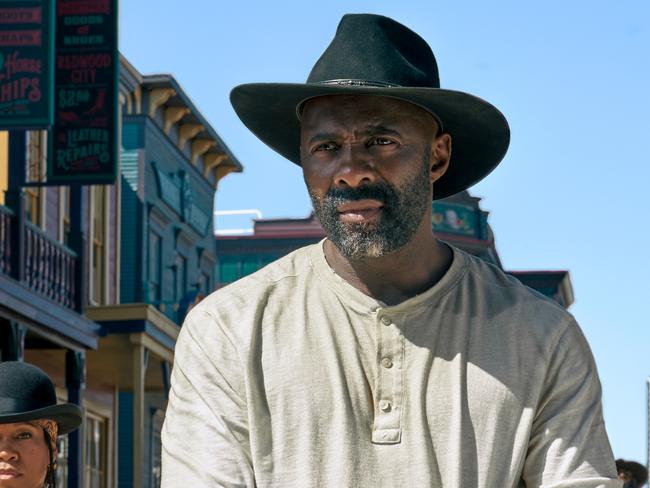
[[389, 394]]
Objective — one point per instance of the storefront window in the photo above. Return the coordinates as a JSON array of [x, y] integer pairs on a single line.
[[95, 429], [181, 277], [204, 283], [36, 150], [155, 267], [98, 243], [62, 461]]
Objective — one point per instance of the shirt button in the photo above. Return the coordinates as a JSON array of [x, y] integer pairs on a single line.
[[385, 320], [387, 363], [384, 406]]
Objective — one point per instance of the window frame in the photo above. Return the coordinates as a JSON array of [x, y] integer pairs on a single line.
[[94, 244]]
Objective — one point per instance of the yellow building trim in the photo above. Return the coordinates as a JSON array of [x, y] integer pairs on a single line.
[[129, 103], [173, 115], [137, 99], [187, 132], [211, 161], [200, 147], [158, 97], [221, 171]]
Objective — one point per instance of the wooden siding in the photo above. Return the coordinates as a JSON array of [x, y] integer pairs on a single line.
[[113, 236], [131, 207], [178, 237], [52, 212]]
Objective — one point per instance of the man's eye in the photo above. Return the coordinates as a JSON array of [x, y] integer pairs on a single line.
[[381, 141], [326, 146], [24, 435]]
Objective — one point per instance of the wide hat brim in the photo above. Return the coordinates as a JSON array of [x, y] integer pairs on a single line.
[[479, 131], [67, 415]]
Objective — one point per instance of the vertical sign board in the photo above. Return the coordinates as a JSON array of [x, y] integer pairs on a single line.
[[26, 64], [84, 142]]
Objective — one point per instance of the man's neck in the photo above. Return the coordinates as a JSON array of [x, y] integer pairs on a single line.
[[396, 277]]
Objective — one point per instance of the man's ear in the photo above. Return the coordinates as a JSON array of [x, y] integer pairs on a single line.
[[440, 156]]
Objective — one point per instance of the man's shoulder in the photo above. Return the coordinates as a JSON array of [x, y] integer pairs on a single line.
[[279, 274], [240, 302], [495, 287]]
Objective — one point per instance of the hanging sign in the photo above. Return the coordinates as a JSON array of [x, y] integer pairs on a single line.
[[26, 64], [84, 140]]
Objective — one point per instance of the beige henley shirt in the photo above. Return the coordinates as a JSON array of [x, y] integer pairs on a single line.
[[291, 377]]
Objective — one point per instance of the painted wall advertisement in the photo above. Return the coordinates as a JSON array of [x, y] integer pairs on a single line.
[[26, 64], [83, 143]]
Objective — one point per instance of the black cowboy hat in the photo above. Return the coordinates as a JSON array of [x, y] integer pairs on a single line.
[[27, 393], [375, 55]]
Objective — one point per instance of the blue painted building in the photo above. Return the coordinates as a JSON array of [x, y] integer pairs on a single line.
[[141, 252], [171, 162]]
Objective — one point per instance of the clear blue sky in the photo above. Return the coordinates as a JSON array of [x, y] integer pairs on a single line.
[[573, 79]]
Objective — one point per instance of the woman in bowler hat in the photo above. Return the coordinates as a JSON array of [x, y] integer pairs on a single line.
[[30, 421]]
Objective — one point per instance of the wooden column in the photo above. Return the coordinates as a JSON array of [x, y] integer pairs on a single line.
[[15, 200], [140, 357], [75, 381], [12, 340], [77, 242]]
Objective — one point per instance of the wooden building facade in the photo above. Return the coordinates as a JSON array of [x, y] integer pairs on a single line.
[[95, 280]]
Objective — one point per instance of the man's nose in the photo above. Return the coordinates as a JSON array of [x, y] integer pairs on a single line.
[[356, 166]]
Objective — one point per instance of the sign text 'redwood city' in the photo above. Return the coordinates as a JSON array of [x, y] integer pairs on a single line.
[[84, 141]]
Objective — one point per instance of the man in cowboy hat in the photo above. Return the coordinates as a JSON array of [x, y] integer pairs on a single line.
[[381, 356], [30, 421]]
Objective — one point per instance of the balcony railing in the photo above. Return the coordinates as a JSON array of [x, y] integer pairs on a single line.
[[49, 267]]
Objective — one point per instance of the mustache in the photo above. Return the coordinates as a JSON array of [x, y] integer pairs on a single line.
[[381, 192]]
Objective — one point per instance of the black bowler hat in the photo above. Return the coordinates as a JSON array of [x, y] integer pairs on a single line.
[[375, 55], [27, 393]]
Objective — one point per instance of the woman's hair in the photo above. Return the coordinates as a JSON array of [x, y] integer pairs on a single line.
[[50, 475]]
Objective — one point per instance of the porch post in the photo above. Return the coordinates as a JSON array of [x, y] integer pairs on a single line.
[[75, 380], [12, 340], [15, 200], [139, 371], [77, 242]]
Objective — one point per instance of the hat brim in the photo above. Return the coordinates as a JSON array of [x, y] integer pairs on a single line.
[[479, 131], [67, 415]]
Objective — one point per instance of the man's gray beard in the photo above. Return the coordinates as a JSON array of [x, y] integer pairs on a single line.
[[399, 219]]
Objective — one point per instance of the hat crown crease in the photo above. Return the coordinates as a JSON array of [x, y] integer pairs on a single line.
[[371, 47]]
